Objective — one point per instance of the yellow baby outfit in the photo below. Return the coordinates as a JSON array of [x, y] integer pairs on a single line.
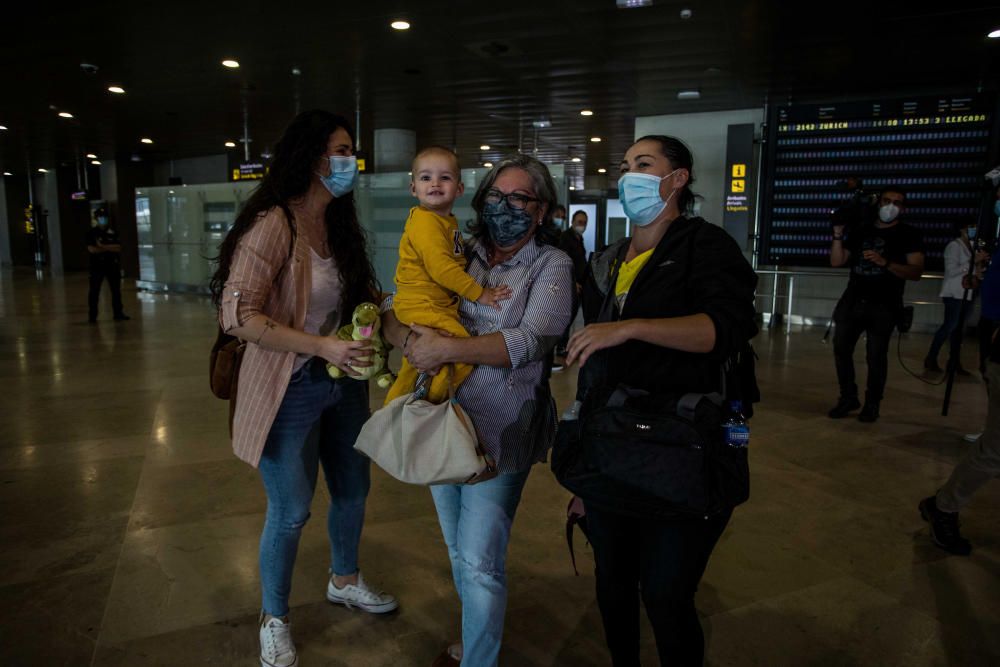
[[430, 278]]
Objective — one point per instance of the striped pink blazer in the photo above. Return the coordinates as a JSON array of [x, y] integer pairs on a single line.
[[263, 279]]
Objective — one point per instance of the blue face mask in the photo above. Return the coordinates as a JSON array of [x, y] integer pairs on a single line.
[[102, 221], [996, 207], [640, 197], [507, 225], [343, 175], [971, 233]]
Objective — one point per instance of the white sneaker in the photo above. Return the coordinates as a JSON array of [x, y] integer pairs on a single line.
[[361, 596], [972, 437], [276, 647]]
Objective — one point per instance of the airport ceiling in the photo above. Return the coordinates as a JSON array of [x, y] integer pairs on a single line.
[[466, 73]]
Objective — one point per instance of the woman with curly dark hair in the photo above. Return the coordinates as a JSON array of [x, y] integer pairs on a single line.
[[293, 267]]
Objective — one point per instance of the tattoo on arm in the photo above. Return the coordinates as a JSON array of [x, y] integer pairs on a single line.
[[268, 326]]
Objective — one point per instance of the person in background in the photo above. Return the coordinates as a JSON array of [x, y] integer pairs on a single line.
[[957, 256], [981, 462], [292, 268], [571, 242], [105, 250], [883, 254]]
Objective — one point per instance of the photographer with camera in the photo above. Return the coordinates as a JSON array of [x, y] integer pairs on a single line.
[[883, 253]]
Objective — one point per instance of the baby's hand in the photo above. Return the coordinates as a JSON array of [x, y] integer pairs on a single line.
[[493, 295]]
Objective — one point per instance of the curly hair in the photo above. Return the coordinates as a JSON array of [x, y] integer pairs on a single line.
[[289, 177]]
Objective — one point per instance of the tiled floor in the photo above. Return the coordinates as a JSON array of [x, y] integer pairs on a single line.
[[130, 532]]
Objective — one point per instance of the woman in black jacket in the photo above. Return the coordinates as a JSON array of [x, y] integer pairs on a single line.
[[682, 303]]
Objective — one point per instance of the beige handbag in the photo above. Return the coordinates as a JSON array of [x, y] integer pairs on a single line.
[[419, 442]]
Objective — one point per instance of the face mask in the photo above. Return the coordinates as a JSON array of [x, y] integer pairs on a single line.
[[580, 229], [996, 207], [507, 225], [640, 197], [971, 233], [102, 221], [343, 175], [888, 213], [558, 221]]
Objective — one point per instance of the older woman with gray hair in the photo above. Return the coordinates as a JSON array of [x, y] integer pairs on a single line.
[[507, 395]]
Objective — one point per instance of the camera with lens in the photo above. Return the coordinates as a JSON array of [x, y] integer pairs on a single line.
[[857, 209]]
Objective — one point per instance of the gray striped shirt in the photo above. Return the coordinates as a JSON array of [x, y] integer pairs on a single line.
[[512, 409]]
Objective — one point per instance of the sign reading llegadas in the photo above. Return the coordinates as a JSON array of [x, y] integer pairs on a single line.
[[739, 154]]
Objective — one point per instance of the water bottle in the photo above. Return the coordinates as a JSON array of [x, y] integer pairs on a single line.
[[572, 413], [736, 428]]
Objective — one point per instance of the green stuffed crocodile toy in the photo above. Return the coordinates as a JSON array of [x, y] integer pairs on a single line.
[[365, 325]]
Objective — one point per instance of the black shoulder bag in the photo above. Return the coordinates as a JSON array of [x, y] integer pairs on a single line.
[[641, 454]]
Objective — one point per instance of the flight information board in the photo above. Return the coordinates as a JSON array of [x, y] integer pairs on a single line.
[[936, 149]]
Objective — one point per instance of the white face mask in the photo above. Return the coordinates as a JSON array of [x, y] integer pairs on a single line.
[[580, 229], [888, 213]]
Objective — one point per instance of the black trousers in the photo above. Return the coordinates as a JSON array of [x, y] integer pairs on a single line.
[[663, 561], [853, 317], [98, 274]]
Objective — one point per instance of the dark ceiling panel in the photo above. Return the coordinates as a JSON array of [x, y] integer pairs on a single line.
[[467, 73]]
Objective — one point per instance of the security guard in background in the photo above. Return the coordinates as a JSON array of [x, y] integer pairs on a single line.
[[105, 251]]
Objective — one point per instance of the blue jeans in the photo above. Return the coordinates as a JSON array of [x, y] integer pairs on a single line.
[[951, 327], [476, 522], [318, 422]]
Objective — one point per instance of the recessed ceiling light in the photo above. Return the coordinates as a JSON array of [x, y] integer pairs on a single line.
[[574, 159], [586, 112], [572, 187], [541, 124], [596, 140], [230, 144], [65, 114], [686, 14], [484, 147], [689, 95], [231, 64], [91, 156], [488, 165], [633, 4], [96, 163], [3, 127], [400, 25], [43, 171], [146, 140], [602, 170], [7, 173], [995, 34], [117, 90]]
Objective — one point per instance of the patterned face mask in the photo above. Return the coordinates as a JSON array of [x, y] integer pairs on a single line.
[[507, 225]]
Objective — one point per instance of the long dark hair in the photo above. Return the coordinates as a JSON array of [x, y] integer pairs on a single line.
[[545, 188], [303, 143], [679, 157]]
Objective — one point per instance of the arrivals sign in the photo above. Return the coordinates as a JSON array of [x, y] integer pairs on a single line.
[[739, 154], [248, 171]]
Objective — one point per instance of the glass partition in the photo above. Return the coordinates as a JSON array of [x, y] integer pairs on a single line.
[[180, 227]]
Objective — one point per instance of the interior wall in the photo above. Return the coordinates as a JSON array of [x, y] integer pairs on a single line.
[[192, 171], [5, 257]]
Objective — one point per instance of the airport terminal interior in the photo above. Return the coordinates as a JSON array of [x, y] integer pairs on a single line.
[[130, 530]]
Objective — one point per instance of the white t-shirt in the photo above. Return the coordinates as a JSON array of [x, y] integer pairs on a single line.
[[323, 313], [956, 265]]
